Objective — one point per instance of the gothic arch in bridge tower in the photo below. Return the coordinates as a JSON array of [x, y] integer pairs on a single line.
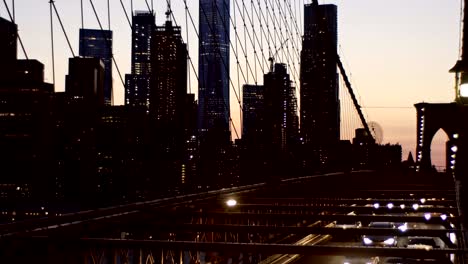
[[438, 150], [430, 119]]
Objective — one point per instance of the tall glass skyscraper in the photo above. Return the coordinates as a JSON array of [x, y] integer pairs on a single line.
[[213, 67], [138, 83], [97, 43], [320, 106]]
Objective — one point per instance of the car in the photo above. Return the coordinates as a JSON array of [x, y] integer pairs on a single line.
[[380, 240], [421, 242]]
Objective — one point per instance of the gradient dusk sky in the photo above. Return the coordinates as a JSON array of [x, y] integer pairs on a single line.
[[397, 52]]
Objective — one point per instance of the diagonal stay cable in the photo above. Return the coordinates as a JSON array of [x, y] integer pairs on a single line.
[[107, 43], [126, 14], [291, 59], [243, 15], [17, 33], [193, 24], [280, 36], [63, 28]]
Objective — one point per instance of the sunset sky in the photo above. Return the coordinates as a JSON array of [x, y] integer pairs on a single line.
[[397, 52]]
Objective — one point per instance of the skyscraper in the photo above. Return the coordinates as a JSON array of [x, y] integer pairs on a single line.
[[281, 121], [169, 65], [213, 67], [167, 100], [138, 83], [85, 79], [8, 54], [320, 108], [98, 44], [252, 112]]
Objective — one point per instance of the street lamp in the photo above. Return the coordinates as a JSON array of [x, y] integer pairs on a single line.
[[231, 202], [461, 67]]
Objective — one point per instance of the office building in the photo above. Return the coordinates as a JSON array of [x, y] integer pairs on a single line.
[[8, 46], [320, 107], [169, 79], [213, 67], [85, 79], [167, 101], [280, 104], [138, 83], [98, 44], [252, 112]]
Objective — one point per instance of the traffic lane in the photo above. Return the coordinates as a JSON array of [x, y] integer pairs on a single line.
[[401, 242], [334, 259]]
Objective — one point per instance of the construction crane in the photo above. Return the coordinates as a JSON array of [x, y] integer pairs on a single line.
[[272, 57]]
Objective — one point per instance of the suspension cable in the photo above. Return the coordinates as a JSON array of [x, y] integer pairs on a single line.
[[52, 42], [82, 16], [63, 28], [149, 7], [126, 15], [108, 15], [187, 42], [17, 33], [112, 54]]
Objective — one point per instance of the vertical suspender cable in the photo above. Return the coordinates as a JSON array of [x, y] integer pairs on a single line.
[[113, 58], [131, 8], [254, 46], [187, 41], [52, 42], [236, 39], [82, 17], [108, 15]]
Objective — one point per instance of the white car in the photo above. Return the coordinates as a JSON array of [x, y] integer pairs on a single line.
[[380, 240]]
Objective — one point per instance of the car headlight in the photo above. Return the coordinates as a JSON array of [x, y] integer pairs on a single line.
[[403, 227], [389, 241], [367, 241]]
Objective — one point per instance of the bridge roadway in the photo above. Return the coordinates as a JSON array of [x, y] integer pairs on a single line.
[[266, 220]]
